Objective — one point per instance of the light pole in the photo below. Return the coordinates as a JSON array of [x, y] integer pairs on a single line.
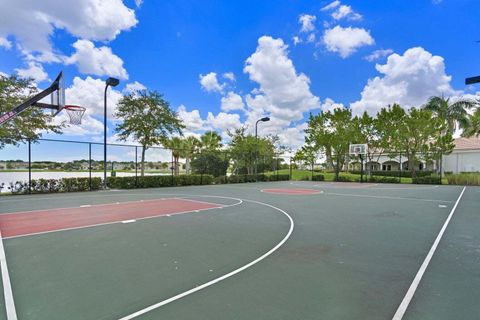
[[112, 82], [264, 119]]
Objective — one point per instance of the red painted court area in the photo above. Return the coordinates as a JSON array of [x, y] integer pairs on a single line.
[[292, 191], [32, 222]]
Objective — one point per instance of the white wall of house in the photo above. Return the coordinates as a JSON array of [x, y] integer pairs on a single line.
[[462, 161]]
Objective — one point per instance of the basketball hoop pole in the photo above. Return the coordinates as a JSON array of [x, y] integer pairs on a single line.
[[361, 168]]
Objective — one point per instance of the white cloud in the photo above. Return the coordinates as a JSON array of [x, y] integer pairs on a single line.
[[224, 121], [296, 40], [408, 79], [97, 61], [307, 22], [232, 101], [345, 11], [191, 119], [210, 83], [89, 93], [138, 3], [34, 71], [346, 41], [134, 86], [229, 76], [293, 137], [282, 92], [32, 23], [311, 37], [378, 54], [4, 42], [330, 105], [331, 5], [90, 126]]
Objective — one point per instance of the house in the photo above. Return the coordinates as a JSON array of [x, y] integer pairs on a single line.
[[465, 156]]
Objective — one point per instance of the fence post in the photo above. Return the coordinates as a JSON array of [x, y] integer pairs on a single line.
[[290, 178], [29, 166], [136, 167], [401, 166], [173, 168], [90, 165]]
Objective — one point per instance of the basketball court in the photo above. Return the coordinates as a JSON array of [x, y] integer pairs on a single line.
[[306, 250]]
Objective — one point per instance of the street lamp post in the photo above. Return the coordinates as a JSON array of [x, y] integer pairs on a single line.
[[112, 82], [264, 119]]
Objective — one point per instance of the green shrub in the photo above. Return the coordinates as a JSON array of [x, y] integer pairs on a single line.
[[56, 185], [433, 179], [382, 179], [465, 179], [158, 181], [345, 179], [404, 174], [318, 177]]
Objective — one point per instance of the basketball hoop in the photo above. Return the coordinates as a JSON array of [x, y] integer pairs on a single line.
[[75, 113]]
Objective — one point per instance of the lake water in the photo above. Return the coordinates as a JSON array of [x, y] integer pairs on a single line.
[[7, 177]]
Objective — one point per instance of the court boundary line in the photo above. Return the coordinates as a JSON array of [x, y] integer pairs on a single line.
[[225, 276], [220, 206], [7, 286], [402, 308], [292, 194]]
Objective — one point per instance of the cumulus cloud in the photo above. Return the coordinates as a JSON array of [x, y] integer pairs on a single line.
[[32, 23], [134, 86], [329, 105], [229, 76], [191, 119], [223, 121], [296, 40], [307, 22], [4, 42], [90, 125], [346, 41], [209, 82], [232, 101], [89, 93], [341, 11], [408, 79], [282, 92], [96, 61], [34, 71], [378, 54]]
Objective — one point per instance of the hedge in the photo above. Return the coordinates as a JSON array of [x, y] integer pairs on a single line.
[[56, 185], [244, 178], [383, 179], [315, 177], [404, 174], [427, 180], [466, 179], [158, 181]]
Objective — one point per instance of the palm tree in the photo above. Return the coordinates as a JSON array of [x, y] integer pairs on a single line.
[[210, 141], [452, 114], [190, 145], [176, 145], [473, 125]]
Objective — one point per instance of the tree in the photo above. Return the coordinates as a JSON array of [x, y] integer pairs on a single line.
[[29, 124], [245, 149], [472, 128], [451, 114], [147, 118], [176, 145], [210, 163], [210, 141], [307, 154], [189, 147], [333, 131]]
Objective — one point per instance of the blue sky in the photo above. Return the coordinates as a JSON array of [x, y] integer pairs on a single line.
[[223, 64]]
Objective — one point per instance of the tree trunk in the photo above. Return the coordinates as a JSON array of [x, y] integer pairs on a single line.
[[177, 169], [187, 164], [411, 165], [142, 162], [337, 167]]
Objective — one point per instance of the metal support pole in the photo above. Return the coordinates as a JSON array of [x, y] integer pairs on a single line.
[[90, 165], [361, 168], [105, 138], [29, 166], [290, 169], [173, 168], [136, 166], [401, 167]]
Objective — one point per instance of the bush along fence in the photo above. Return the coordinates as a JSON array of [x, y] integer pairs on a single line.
[[53, 185]]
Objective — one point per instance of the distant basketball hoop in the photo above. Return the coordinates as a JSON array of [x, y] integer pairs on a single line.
[[75, 113]]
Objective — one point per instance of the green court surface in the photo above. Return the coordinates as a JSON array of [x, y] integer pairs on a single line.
[[238, 251]]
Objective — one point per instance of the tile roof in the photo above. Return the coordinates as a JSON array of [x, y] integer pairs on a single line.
[[467, 143]]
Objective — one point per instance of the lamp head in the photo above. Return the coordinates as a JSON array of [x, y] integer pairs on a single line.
[[265, 119], [112, 82]]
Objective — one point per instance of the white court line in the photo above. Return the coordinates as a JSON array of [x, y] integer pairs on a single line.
[[418, 277], [7, 286], [211, 203], [225, 276], [120, 221], [383, 197]]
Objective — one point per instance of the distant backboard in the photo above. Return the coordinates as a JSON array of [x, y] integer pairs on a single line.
[[358, 149]]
